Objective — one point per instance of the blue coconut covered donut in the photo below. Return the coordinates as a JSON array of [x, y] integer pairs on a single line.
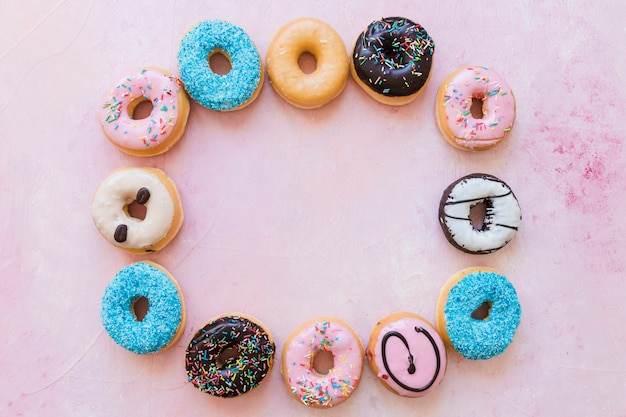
[[234, 90], [165, 318], [478, 313]]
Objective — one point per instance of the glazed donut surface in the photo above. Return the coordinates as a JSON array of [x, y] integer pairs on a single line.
[[289, 81]]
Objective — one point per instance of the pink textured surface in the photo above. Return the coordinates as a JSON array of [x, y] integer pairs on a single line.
[[292, 214]]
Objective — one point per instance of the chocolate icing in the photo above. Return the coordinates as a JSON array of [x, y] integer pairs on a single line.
[[410, 364], [393, 56], [238, 374]]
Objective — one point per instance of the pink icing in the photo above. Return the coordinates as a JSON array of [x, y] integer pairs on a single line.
[[426, 375], [149, 84], [308, 385], [498, 107]]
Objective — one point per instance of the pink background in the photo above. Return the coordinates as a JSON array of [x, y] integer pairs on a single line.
[[291, 214]]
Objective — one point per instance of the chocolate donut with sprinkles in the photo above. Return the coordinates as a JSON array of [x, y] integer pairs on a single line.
[[230, 355], [392, 59]]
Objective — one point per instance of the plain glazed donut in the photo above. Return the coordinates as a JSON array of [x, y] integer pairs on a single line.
[[392, 60], [460, 299], [307, 91], [149, 188], [164, 321], [230, 355], [466, 126], [157, 132], [232, 91], [407, 354], [306, 384], [502, 213]]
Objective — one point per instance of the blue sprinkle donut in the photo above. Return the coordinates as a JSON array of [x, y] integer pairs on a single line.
[[165, 319], [478, 313], [232, 91]]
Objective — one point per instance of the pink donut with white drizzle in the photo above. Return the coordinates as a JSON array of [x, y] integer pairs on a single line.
[[322, 337], [407, 354], [155, 133], [475, 108]]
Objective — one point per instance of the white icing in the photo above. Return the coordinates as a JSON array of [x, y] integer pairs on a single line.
[[501, 220], [116, 192]]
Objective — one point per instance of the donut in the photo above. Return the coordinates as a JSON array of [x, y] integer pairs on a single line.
[[501, 219], [232, 91], [307, 91], [475, 109], [392, 59], [306, 384], [164, 320], [230, 355], [148, 189], [157, 132], [407, 354], [461, 318]]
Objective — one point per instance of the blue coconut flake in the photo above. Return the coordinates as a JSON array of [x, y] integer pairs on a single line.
[[161, 322], [211, 90], [482, 339]]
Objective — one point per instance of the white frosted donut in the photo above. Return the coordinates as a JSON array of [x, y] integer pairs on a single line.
[[502, 216], [149, 187]]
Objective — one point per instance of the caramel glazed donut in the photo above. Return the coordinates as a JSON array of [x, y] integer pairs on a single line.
[[307, 91], [392, 60]]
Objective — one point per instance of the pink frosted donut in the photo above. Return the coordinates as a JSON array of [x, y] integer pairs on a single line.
[[161, 129], [407, 354], [331, 336], [475, 108]]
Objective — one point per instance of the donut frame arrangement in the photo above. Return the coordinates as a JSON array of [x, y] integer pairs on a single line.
[[477, 311]]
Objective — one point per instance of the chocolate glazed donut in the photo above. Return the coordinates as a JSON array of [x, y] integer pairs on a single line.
[[393, 56], [252, 354]]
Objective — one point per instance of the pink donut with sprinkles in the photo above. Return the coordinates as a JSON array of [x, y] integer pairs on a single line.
[[322, 362], [475, 108], [140, 134]]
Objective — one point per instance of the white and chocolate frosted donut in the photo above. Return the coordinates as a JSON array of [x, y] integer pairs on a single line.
[[148, 188], [501, 219]]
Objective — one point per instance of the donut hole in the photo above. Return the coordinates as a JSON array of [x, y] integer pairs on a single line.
[[140, 108], [136, 210], [219, 62], [323, 361], [227, 356], [476, 109], [307, 62], [483, 311], [477, 215], [140, 307]]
